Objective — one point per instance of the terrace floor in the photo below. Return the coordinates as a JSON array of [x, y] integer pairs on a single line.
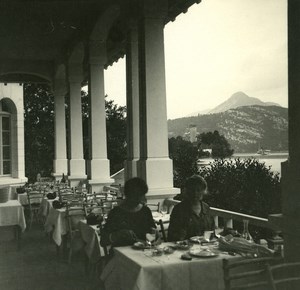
[[36, 265]]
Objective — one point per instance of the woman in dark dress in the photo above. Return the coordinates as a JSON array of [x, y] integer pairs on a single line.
[[131, 220], [191, 217]]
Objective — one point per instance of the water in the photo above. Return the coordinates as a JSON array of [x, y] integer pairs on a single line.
[[272, 159]]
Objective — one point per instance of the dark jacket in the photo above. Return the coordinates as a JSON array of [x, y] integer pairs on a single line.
[[184, 223], [120, 220]]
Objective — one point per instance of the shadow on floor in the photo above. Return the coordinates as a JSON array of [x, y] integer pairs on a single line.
[[36, 265]]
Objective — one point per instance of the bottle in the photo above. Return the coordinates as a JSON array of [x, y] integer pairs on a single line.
[[63, 180], [246, 235]]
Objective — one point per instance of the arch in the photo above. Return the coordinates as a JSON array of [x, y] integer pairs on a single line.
[[8, 105], [104, 23]]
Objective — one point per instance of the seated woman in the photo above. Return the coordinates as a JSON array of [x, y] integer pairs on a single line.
[[131, 220], [191, 217]]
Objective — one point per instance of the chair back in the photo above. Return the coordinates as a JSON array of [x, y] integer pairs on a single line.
[[164, 226], [247, 273], [74, 213], [284, 275], [34, 198]]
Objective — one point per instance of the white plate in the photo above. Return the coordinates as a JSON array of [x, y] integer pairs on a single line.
[[140, 245], [202, 253], [197, 239]]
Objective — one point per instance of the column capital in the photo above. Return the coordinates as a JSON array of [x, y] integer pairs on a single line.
[[75, 73], [97, 52], [154, 8], [59, 87]]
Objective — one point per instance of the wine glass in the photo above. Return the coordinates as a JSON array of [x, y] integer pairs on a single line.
[[150, 237], [164, 210]]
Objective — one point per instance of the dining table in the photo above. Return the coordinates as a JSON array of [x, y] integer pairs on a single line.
[[138, 269], [12, 215]]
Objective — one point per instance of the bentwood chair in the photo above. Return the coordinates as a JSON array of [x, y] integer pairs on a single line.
[[34, 203], [284, 275], [247, 273], [74, 214]]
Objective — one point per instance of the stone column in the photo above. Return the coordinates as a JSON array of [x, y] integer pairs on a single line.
[[132, 103], [76, 162], [60, 163], [291, 170], [155, 165], [99, 170]]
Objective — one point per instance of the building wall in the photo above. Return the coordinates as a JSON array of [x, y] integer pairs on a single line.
[[12, 95]]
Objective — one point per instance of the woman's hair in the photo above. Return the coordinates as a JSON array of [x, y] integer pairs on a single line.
[[193, 182], [135, 188]]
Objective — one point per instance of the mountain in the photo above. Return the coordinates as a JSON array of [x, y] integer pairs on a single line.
[[246, 128], [239, 99]]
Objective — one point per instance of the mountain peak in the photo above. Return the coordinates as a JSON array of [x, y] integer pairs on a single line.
[[239, 99]]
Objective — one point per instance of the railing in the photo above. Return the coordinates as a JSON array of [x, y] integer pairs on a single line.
[[230, 216]]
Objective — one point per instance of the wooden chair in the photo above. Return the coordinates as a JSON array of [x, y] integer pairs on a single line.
[[164, 226], [285, 274], [34, 202], [247, 273], [74, 213]]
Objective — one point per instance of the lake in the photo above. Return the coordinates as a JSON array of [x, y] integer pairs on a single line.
[[272, 159]]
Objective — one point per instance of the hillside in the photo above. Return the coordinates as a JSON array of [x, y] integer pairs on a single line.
[[246, 128], [238, 99]]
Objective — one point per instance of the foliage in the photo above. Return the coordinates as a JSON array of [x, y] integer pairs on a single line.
[[116, 135], [218, 143], [245, 186], [184, 155], [39, 130]]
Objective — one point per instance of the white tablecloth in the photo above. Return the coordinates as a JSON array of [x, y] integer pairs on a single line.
[[159, 216], [56, 221], [138, 270], [46, 204], [12, 213], [89, 235]]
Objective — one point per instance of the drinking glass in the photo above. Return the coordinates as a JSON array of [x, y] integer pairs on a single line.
[[151, 236], [164, 210]]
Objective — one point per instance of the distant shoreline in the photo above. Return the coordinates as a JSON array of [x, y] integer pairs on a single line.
[[260, 156]]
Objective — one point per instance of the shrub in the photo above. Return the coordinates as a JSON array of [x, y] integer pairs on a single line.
[[245, 186]]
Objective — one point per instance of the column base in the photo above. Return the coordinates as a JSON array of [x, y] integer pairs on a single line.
[[96, 185], [74, 180], [98, 169], [157, 172], [131, 168], [77, 167], [60, 167]]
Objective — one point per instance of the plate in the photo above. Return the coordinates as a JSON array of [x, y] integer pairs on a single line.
[[202, 253], [182, 245], [197, 239], [140, 246]]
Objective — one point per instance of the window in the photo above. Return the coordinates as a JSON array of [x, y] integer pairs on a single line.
[[5, 144]]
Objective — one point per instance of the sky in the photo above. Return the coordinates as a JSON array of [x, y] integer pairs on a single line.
[[217, 48]]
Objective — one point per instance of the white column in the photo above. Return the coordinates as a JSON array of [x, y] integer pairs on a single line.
[[132, 103], [291, 171], [60, 163], [155, 165], [76, 162], [99, 169]]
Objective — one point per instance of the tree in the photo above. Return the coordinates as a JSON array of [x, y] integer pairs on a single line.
[[218, 143], [246, 186], [184, 155], [38, 130]]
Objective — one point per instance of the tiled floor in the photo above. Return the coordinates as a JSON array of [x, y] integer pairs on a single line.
[[36, 265]]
